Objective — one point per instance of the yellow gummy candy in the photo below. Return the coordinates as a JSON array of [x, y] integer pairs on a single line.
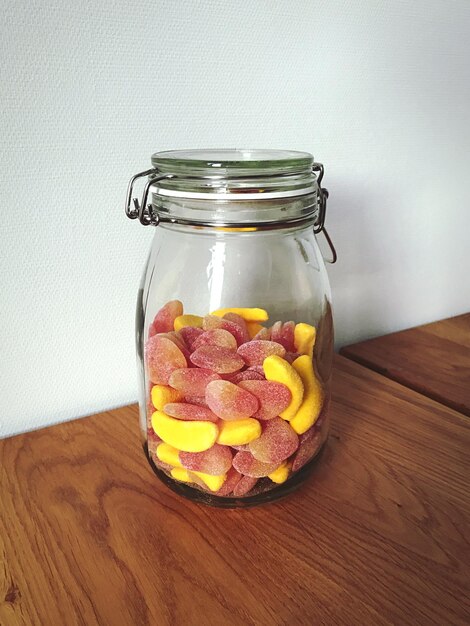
[[179, 473], [304, 338], [213, 482], [279, 370], [169, 455], [238, 432], [310, 408], [253, 328], [162, 394], [187, 320], [194, 436], [280, 474], [250, 315]]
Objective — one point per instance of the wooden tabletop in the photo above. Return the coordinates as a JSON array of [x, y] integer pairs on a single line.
[[379, 535], [433, 359]]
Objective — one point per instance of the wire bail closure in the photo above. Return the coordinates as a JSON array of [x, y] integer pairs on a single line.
[[147, 216]]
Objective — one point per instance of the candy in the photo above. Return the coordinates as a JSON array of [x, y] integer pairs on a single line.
[[229, 401], [245, 485], [178, 341], [284, 334], [210, 322], [191, 436], [309, 410], [245, 463], [216, 337], [199, 400], [291, 356], [304, 338], [280, 474], [273, 397], [169, 455], [220, 360], [190, 334], [162, 394], [163, 357], [278, 370], [264, 334], [179, 473], [253, 329], [183, 321], [192, 381], [165, 318], [231, 481], [152, 440], [310, 442], [186, 411], [214, 483], [240, 322], [238, 432], [256, 368], [254, 352], [276, 443], [214, 461], [250, 315], [246, 375]]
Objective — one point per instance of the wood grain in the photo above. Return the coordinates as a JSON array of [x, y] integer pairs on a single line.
[[379, 535], [433, 359]]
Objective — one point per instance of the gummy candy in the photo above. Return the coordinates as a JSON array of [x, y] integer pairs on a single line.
[[214, 461], [186, 411], [163, 357], [283, 333], [169, 455], [192, 382], [304, 338], [211, 321], [248, 374], [214, 483], [279, 370], [162, 394], [250, 315], [199, 400], [245, 463], [280, 474], [181, 474], [273, 397], [216, 337], [220, 360], [187, 321], [253, 329], [309, 443], [165, 318], [178, 341], [238, 432], [244, 485], [229, 401], [191, 436], [259, 369], [189, 335], [231, 481], [291, 356], [264, 334], [254, 352], [276, 443], [309, 410], [240, 322]]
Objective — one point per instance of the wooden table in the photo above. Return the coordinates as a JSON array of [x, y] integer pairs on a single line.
[[379, 535], [433, 359]]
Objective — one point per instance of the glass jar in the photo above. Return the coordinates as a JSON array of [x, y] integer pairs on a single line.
[[234, 325]]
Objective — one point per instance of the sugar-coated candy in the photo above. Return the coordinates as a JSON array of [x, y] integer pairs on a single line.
[[211, 322], [216, 337], [192, 381], [254, 352], [183, 321], [238, 432], [259, 369], [245, 446], [169, 455], [220, 360], [276, 443], [245, 463], [229, 401], [189, 335], [244, 485], [291, 356], [199, 400], [162, 394], [253, 329], [165, 318], [163, 357], [264, 334], [178, 341], [283, 333], [308, 412], [280, 371], [181, 474], [152, 439], [273, 397], [281, 474], [309, 444], [250, 315], [188, 436], [214, 483], [214, 461], [304, 338], [232, 479], [248, 374], [162, 466], [239, 321], [187, 411]]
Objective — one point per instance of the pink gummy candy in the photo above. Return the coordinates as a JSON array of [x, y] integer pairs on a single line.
[[264, 334], [178, 341], [152, 439], [199, 400], [245, 375], [229, 401], [215, 461], [232, 480], [163, 357], [245, 447], [216, 337], [276, 443], [165, 318], [220, 360], [192, 382], [186, 411], [245, 484], [245, 463], [309, 444], [273, 397], [256, 368], [254, 352], [190, 334], [211, 322], [291, 356], [284, 334], [237, 319]]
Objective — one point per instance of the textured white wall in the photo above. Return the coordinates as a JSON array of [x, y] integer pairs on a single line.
[[378, 91]]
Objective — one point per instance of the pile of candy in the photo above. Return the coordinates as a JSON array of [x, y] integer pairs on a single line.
[[232, 401]]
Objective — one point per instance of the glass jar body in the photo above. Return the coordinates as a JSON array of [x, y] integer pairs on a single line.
[[277, 270]]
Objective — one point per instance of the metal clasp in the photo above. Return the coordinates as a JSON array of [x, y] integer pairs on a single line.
[[322, 199], [143, 211]]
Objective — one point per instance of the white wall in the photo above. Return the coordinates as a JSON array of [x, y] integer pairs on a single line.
[[378, 90]]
